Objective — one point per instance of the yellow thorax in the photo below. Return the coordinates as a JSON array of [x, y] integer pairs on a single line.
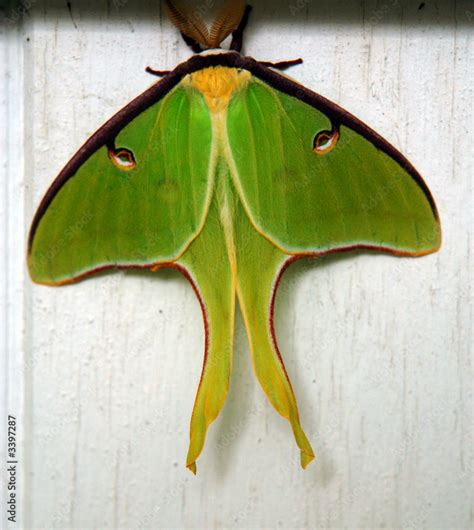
[[217, 84]]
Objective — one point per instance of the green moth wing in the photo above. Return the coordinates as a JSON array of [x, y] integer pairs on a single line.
[[335, 184], [228, 171], [135, 200]]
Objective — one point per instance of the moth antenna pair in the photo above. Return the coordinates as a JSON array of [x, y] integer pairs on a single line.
[[231, 18]]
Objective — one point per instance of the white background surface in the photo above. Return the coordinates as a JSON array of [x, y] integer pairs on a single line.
[[102, 375]]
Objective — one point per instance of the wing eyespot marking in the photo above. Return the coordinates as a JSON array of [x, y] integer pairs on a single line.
[[122, 158], [325, 141]]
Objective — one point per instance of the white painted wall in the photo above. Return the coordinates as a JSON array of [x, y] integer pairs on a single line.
[[103, 374]]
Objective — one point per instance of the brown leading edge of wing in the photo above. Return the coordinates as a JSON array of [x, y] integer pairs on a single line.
[[106, 134], [339, 116]]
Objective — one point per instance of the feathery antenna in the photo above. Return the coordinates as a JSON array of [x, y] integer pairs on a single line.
[[193, 28], [227, 20]]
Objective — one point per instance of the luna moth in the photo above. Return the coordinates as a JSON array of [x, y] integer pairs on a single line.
[[229, 171]]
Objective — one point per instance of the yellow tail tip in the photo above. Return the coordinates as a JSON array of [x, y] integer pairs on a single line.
[[306, 459], [192, 467]]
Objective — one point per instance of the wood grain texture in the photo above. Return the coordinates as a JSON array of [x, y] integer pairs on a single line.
[[378, 348], [12, 292]]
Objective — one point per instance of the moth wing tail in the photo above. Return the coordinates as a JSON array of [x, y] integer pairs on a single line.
[[260, 265], [207, 266]]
